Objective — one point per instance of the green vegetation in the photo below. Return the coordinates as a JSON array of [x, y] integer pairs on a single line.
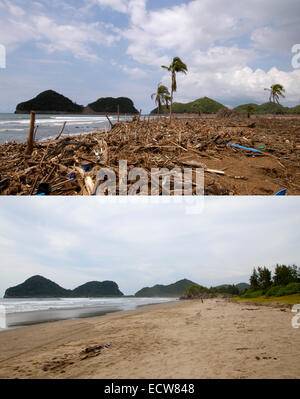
[[176, 66], [97, 289], [225, 289], [110, 105], [203, 105], [279, 290], [40, 287], [250, 110], [242, 287], [195, 291], [286, 281], [37, 286], [171, 290], [243, 109], [286, 300], [273, 108], [296, 110], [266, 108], [49, 101]]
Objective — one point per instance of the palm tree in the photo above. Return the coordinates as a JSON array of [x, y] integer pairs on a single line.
[[168, 100], [276, 90], [176, 66], [162, 96]]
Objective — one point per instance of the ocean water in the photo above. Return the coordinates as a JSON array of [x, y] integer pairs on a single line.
[[15, 127], [20, 312]]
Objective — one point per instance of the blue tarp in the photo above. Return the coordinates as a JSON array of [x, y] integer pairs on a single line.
[[281, 192], [243, 148]]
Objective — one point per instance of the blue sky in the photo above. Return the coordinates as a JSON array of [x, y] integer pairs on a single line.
[[75, 240], [86, 49]]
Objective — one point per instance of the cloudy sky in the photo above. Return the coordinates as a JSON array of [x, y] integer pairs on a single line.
[[86, 49], [75, 240]]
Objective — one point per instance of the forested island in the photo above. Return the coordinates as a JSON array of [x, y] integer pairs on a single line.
[[51, 102], [41, 287]]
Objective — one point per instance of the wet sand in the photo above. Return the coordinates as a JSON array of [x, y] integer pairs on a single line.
[[186, 339]]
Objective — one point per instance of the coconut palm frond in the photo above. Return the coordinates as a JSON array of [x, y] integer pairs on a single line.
[[276, 91]]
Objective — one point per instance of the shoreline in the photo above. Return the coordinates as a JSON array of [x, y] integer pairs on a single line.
[[25, 318], [183, 339]]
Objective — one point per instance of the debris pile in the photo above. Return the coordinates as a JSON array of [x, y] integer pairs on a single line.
[[221, 146]]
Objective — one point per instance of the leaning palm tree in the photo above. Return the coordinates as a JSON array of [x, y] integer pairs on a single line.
[[276, 90], [161, 96], [176, 66]]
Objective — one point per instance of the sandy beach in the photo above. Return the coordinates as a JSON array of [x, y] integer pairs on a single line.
[[186, 339]]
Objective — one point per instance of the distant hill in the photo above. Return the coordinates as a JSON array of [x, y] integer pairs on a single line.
[[296, 110], [203, 105], [195, 291], [267, 108], [242, 286], [230, 289], [41, 287], [97, 289], [110, 105], [49, 101], [243, 109], [171, 290], [37, 286]]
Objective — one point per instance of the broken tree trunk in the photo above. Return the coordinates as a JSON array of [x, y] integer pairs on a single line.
[[29, 147], [110, 122], [61, 130]]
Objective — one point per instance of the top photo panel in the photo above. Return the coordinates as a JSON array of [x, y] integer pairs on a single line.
[[149, 98]]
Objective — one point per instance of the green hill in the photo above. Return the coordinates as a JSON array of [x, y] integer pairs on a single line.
[[171, 290], [296, 110], [266, 108], [37, 287], [49, 101], [203, 105], [41, 287], [242, 286], [110, 105], [272, 108], [243, 109], [97, 289]]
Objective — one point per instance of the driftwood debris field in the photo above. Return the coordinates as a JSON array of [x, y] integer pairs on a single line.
[[223, 147]]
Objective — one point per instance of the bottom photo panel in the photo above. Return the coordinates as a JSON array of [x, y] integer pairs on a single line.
[[150, 289]]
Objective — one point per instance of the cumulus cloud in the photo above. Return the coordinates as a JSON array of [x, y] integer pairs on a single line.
[[20, 25], [133, 72], [236, 85]]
